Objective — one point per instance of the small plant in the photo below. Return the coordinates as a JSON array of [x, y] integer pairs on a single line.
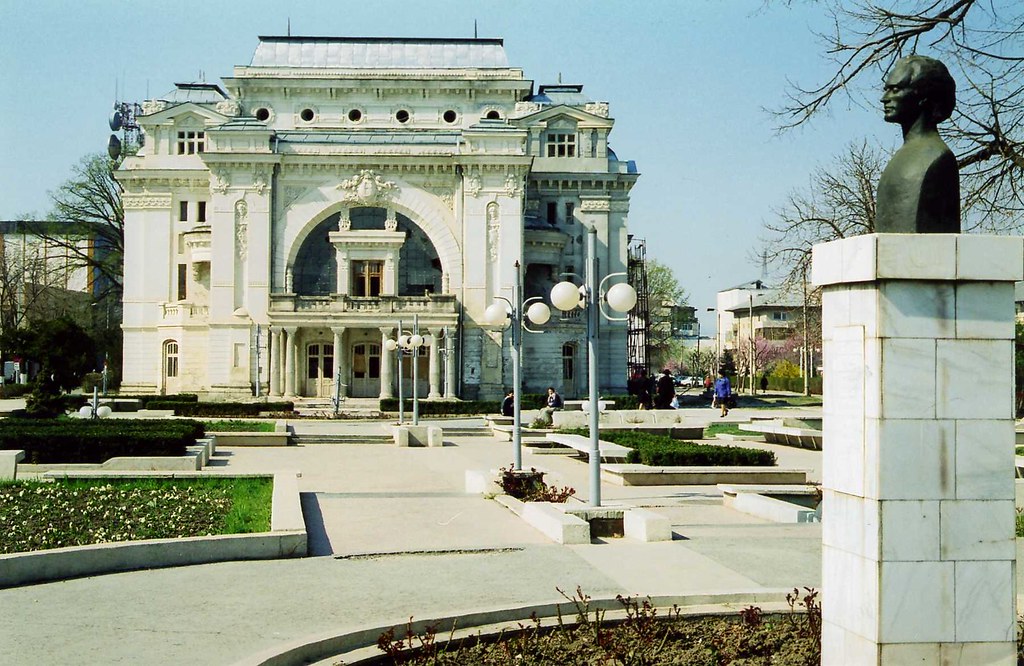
[[529, 486], [811, 628], [1020, 523], [752, 616], [540, 423]]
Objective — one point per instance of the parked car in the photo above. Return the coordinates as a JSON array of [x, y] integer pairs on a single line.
[[688, 382]]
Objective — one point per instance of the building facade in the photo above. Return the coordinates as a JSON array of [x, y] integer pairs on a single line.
[[336, 192]]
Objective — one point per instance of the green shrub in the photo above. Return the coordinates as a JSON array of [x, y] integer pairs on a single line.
[[437, 408], [794, 384], [624, 401], [90, 380], [662, 451], [14, 390], [95, 441], [191, 408]]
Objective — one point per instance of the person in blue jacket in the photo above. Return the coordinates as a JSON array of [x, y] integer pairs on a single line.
[[723, 389]]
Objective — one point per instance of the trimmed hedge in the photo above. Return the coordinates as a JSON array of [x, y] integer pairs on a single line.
[[438, 408], [191, 408], [95, 441], [662, 451], [794, 384]]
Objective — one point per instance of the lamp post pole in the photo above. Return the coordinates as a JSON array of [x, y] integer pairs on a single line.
[[401, 397], [620, 298], [592, 384], [415, 366], [517, 359]]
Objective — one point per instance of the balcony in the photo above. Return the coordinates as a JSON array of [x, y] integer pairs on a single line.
[[198, 243], [364, 305], [183, 314]]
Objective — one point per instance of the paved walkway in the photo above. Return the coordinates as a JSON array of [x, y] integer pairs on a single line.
[[393, 534]]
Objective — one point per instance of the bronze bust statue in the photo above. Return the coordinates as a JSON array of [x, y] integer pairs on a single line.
[[919, 191]]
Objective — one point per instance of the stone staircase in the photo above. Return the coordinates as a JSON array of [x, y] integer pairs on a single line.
[[364, 408], [316, 439]]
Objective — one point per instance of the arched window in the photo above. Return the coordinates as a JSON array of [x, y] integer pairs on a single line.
[[171, 359]]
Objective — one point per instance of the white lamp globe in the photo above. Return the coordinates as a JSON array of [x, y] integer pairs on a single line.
[[621, 297], [403, 340], [495, 314], [416, 340], [539, 313], [565, 296], [390, 345], [85, 411], [103, 411], [428, 340]]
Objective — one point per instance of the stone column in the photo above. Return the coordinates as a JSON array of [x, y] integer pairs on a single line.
[[449, 370], [275, 361], [340, 368], [918, 554], [434, 367], [387, 359], [289, 361]]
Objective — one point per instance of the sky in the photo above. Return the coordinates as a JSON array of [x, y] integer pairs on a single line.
[[689, 83]]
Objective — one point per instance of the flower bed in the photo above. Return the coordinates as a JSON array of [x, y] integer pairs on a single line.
[[43, 515]]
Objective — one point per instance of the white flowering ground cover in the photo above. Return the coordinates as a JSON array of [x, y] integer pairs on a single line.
[[36, 515]]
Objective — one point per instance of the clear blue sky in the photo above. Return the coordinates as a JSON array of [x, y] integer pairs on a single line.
[[687, 81]]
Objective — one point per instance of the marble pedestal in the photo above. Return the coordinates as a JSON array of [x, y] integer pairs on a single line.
[[918, 550]]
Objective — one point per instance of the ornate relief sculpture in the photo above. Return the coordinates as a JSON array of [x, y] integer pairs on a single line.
[[493, 231], [344, 221], [391, 222], [473, 184], [367, 188], [242, 228]]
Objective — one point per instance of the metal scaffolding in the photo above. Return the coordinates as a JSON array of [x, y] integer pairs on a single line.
[[639, 324]]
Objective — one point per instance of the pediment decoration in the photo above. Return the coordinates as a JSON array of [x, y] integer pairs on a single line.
[[367, 188]]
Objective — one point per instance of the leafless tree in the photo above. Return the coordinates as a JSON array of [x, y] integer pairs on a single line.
[[88, 206], [838, 202], [982, 42], [34, 281]]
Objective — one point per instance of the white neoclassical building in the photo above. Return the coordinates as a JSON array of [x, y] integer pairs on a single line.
[[280, 228]]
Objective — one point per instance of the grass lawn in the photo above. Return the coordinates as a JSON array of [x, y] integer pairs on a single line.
[[36, 515], [239, 426], [723, 429]]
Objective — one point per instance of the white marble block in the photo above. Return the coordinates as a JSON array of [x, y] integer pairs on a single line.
[[918, 554]]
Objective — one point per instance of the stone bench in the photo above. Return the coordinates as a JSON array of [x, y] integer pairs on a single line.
[[776, 433], [577, 405], [609, 452], [9, 460], [644, 475], [409, 435], [555, 524], [646, 525], [620, 417], [768, 501]]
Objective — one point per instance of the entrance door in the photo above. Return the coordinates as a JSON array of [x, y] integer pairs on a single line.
[[319, 370], [365, 370]]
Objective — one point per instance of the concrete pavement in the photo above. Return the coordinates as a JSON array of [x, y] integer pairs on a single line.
[[394, 535]]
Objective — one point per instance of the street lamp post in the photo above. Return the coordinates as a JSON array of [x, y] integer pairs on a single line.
[[499, 315], [407, 343], [591, 297]]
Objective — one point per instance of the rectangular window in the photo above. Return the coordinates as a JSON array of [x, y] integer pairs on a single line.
[[552, 213], [570, 211], [568, 363], [561, 145], [201, 212], [367, 278], [183, 211], [238, 355], [182, 281], [191, 142]]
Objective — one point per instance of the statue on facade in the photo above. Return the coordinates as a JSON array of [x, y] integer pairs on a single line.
[[919, 191]]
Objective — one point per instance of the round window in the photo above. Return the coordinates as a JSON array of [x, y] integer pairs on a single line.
[[263, 114], [493, 115], [402, 116], [355, 115], [307, 115], [450, 116]]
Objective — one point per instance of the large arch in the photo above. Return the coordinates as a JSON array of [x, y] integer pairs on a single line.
[[425, 210]]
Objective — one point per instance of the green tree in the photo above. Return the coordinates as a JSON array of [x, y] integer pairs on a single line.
[[664, 295], [982, 44], [62, 348]]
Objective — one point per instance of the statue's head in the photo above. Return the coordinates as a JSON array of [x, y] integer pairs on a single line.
[[919, 85]]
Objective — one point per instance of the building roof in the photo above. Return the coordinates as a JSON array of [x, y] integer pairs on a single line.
[[199, 93], [570, 94], [379, 52], [769, 298]]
